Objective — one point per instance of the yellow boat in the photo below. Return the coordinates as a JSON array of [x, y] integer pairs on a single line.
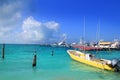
[[89, 59]]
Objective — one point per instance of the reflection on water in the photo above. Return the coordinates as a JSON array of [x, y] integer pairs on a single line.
[[80, 66], [92, 72]]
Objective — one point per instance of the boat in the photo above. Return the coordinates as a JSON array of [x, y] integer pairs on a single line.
[[100, 46], [106, 45], [86, 46], [82, 45], [91, 60], [62, 43]]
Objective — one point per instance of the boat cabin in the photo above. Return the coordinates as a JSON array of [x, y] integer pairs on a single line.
[[104, 44]]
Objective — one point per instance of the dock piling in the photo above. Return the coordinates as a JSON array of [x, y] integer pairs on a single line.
[[3, 51], [34, 60], [52, 53]]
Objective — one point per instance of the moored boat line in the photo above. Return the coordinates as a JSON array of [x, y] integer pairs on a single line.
[[101, 45]]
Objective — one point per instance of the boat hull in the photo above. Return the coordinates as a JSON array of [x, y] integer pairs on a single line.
[[88, 62], [91, 48], [87, 48]]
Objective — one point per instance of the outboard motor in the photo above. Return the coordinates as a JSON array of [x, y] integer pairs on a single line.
[[116, 64]]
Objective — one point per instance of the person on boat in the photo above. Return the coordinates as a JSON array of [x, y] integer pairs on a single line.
[[90, 57], [87, 56]]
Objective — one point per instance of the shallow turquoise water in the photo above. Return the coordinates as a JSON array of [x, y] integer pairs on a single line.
[[17, 65]]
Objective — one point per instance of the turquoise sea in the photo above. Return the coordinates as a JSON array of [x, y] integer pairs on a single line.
[[17, 64]]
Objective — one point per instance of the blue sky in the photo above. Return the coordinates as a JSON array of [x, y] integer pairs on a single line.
[[48, 21]]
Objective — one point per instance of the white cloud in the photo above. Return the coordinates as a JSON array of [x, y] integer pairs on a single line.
[[31, 30], [10, 16], [8, 8], [36, 31], [30, 24], [13, 29], [52, 25]]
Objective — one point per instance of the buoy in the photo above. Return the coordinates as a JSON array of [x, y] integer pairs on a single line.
[[3, 48], [34, 60]]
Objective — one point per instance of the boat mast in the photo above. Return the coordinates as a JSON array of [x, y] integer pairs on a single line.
[[84, 33], [98, 32], [98, 29], [98, 35]]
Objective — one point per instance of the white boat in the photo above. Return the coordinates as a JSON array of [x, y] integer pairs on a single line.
[[62, 43]]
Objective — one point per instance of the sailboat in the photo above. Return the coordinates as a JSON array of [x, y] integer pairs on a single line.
[[87, 46], [91, 60]]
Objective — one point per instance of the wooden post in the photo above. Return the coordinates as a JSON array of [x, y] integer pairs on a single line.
[[34, 60], [52, 53], [3, 48]]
